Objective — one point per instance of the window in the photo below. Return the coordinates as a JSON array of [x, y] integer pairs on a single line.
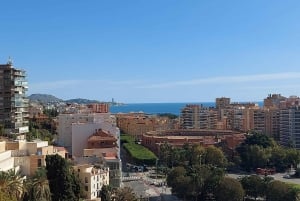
[[86, 188], [39, 162]]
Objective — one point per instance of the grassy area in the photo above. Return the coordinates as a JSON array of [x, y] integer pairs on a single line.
[[139, 153], [127, 139], [296, 186]]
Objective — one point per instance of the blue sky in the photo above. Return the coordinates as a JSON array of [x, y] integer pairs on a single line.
[[156, 50]]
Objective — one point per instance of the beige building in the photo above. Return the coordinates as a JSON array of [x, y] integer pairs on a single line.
[[29, 156], [92, 178]]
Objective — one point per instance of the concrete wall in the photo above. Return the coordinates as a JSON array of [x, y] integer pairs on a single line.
[[6, 161], [24, 164], [80, 134], [2, 146]]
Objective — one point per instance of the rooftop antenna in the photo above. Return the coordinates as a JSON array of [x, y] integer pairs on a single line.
[[10, 61]]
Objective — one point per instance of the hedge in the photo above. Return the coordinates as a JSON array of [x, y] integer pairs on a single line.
[[140, 154]]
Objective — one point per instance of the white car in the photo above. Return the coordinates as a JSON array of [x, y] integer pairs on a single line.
[[287, 176]]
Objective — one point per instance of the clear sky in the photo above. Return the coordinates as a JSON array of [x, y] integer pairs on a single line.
[[154, 50]]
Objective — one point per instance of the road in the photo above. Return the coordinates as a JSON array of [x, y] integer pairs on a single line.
[[149, 188], [277, 176]]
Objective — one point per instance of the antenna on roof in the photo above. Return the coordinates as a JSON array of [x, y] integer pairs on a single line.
[[10, 61]]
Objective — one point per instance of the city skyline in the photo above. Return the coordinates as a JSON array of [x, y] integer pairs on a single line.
[[158, 51]]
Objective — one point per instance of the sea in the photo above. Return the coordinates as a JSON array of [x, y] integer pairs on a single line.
[[153, 108], [156, 108]]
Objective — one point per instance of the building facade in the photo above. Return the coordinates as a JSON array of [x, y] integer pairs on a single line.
[[26, 156], [290, 127], [65, 125], [13, 102], [190, 117], [203, 137], [136, 124], [92, 178]]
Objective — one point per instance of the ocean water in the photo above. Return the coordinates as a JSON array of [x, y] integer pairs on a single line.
[[154, 108]]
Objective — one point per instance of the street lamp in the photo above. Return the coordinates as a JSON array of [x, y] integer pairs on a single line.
[[156, 168], [200, 157]]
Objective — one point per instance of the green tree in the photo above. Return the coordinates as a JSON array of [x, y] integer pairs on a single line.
[[278, 191], [4, 196], [260, 140], [176, 159], [229, 189], [197, 153], [253, 156], [51, 112], [211, 177], [179, 181], [38, 187], [292, 157], [11, 182], [215, 157], [125, 194], [174, 174], [254, 186], [165, 154], [61, 181], [105, 193], [278, 158]]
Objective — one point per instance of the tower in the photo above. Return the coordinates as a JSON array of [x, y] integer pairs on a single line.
[[13, 101]]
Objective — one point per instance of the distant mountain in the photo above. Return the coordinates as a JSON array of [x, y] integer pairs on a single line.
[[81, 101], [44, 98]]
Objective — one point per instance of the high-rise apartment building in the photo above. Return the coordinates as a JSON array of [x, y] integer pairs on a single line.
[[198, 117], [273, 100], [222, 103], [13, 102], [190, 117], [290, 127]]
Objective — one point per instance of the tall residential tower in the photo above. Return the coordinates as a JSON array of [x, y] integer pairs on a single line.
[[13, 101]]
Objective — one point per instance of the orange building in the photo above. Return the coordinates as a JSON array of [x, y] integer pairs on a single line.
[[137, 124], [178, 138], [101, 139], [98, 107]]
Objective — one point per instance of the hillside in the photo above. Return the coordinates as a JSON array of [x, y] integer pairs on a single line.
[[44, 98], [81, 101]]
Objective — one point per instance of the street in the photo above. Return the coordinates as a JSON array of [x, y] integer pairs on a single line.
[[277, 176], [148, 188]]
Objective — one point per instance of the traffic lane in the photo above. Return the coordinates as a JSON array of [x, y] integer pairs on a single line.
[[277, 176]]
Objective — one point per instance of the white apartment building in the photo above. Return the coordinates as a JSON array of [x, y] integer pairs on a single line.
[[81, 132], [65, 122], [92, 178], [290, 127], [6, 161]]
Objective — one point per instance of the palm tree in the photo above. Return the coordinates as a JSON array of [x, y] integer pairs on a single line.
[[38, 187], [11, 182]]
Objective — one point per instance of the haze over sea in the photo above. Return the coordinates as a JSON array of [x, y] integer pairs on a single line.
[[157, 108]]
